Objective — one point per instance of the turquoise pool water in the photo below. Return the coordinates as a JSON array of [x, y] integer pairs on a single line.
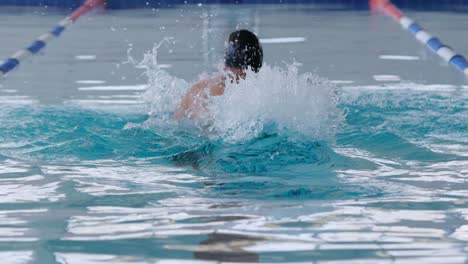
[[350, 146]]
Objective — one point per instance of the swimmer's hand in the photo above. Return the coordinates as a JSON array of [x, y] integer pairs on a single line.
[[194, 103]]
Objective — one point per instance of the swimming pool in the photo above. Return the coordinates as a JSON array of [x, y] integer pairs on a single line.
[[369, 166]]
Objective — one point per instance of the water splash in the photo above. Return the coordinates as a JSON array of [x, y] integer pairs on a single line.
[[277, 99], [164, 90], [280, 98]]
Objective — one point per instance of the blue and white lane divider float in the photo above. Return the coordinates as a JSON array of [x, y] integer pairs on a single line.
[[13, 62], [433, 43]]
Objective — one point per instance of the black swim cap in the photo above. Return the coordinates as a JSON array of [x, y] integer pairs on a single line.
[[244, 51]]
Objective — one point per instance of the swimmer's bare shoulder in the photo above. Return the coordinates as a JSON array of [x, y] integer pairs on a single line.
[[194, 102]]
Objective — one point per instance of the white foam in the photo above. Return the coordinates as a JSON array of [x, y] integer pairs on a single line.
[[163, 91], [82, 258], [126, 96], [9, 91], [406, 86], [165, 66], [140, 87], [342, 82], [16, 257], [85, 57], [303, 103], [282, 247], [282, 40], [398, 57], [17, 100], [160, 66], [90, 82], [387, 78], [107, 102]]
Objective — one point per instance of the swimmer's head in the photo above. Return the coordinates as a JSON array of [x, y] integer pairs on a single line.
[[243, 51]]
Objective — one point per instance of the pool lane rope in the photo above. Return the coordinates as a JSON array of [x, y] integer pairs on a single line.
[[433, 43], [13, 62]]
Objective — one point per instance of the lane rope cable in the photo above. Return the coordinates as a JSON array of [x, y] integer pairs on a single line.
[[14, 61], [433, 43]]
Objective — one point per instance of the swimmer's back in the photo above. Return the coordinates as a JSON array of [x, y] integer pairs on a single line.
[[193, 104]]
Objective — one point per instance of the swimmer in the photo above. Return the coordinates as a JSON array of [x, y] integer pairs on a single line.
[[243, 54]]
